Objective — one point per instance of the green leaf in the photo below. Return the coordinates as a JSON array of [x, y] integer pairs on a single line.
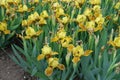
[[15, 23], [2, 13], [89, 76], [34, 51], [10, 35], [111, 76], [103, 37], [34, 71], [14, 59], [20, 59]]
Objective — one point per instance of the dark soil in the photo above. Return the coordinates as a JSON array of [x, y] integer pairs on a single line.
[[9, 70]]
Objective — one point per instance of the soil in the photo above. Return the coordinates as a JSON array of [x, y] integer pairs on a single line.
[[11, 71]]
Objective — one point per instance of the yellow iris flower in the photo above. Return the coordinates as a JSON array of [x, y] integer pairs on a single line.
[[90, 26], [116, 42], [46, 52], [117, 6], [65, 41], [78, 3], [36, 1], [99, 20], [22, 8], [44, 14], [67, 1], [42, 21], [60, 35], [81, 18], [24, 23], [59, 12], [56, 5], [30, 32], [3, 28], [78, 52], [95, 2], [53, 63]]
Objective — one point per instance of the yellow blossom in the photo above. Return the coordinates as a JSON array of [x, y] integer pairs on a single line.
[[67, 1], [65, 20], [3, 3], [31, 18], [3, 28], [117, 6], [90, 25], [98, 27], [40, 57], [36, 1], [78, 3], [70, 47], [81, 18], [53, 63], [61, 66], [81, 1], [56, 5], [115, 18], [24, 23], [10, 1], [54, 39], [36, 15], [16, 2], [42, 21], [46, 52], [75, 59], [30, 32], [94, 2], [99, 20], [59, 12], [82, 27], [116, 42], [22, 8], [44, 14], [65, 41], [88, 52], [87, 12], [97, 10], [78, 52], [48, 71], [61, 33]]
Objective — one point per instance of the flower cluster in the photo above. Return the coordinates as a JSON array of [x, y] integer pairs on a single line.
[[91, 20], [53, 62], [60, 33]]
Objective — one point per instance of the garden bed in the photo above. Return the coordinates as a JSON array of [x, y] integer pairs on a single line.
[[11, 71]]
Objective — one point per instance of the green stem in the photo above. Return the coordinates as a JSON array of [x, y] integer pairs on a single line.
[[112, 64]]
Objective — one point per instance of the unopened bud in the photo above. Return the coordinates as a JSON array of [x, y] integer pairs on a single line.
[[68, 58]]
